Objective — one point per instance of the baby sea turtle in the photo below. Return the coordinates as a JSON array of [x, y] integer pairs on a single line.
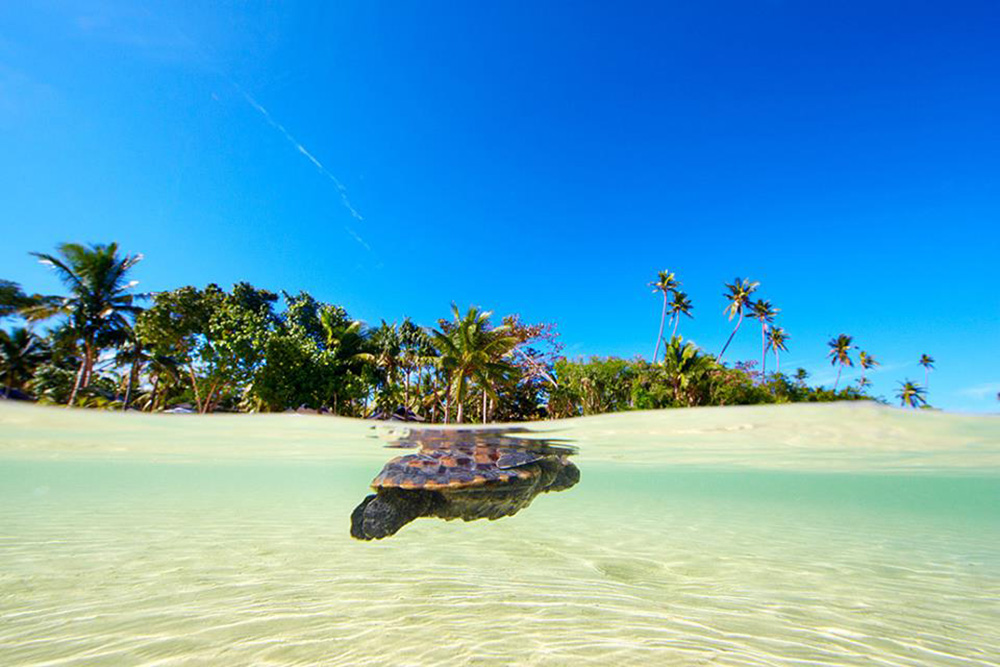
[[464, 475]]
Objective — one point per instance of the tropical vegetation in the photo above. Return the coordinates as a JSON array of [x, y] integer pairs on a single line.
[[209, 349]]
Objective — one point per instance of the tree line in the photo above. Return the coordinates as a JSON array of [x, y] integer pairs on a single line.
[[252, 350]]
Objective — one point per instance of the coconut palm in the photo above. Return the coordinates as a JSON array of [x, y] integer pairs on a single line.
[[681, 305], [664, 283], [840, 353], [471, 350], [911, 394], [21, 352], [12, 298], [928, 363], [866, 361], [765, 313], [776, 341], [99, 303], [739, 299], [684, 367], [345, 348]]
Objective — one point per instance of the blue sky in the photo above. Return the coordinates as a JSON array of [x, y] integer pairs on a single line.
[[547, 160]]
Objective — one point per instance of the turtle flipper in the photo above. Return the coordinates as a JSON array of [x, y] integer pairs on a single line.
[[384, 514]]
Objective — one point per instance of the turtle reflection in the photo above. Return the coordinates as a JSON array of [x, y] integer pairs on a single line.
[[462, 474]]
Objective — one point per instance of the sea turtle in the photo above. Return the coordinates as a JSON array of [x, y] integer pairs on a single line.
[[464, 475]]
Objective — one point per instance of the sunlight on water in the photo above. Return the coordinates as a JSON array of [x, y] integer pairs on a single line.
[[822, 534]]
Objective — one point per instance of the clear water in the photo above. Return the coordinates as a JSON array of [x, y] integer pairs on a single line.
[[837, 534]]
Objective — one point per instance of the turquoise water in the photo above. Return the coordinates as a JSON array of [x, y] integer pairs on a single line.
[[755, 536]]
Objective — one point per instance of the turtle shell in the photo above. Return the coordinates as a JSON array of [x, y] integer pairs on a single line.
[[458, 466]]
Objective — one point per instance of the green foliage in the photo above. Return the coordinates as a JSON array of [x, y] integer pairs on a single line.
[[52, 384], [592, 387], [12, 298], [294, 373], [472, 350], [911, 394], [237, 350], [21, 352], [99, 304]]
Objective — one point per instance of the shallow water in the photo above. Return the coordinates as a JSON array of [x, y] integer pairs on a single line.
[[837, 534]]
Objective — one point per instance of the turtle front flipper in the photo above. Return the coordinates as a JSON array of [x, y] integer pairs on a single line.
[[384, 514]]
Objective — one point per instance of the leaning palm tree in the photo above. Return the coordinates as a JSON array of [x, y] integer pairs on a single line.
[[840, 353], [866, 361], [681, 305], [739, 299], [664, 283], [99, 303], [927, 362], [911, 394], [765, 313], [471, 350], [776, 341]]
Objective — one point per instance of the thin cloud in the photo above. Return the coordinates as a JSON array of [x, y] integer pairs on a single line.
[[981, 391], [257, 106], [357, 238]]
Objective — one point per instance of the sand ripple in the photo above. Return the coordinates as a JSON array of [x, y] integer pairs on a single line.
[[193, 566]]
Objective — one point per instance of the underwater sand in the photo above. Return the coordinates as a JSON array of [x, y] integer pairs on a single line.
[[806, 534]]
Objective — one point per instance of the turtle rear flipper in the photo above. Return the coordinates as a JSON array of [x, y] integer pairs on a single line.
[[384, 514]]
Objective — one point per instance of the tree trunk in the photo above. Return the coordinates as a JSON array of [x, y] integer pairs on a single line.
[[659, 336], [735, 329], [777, 362], [763, 351], [406, 390], [194, 386], [677, 320], [76, 385], [484, 406], [207, 406], [128, 391], [88, 358], [152, 398], [839, 369], [133, 377]]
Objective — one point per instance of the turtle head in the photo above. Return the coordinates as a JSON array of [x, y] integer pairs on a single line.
[[566, 477], [383, 514]]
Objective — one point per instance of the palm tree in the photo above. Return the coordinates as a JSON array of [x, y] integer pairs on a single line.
[[739, 299], [12, 298], [866, 361], [840, 353], [776, 340], [135, 355], [21, 352], [345, 347], [928, 363], [911, 394], [99, 302], [765, 312], [665, 283], [681, 305], [471, 349], [684, 366]]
